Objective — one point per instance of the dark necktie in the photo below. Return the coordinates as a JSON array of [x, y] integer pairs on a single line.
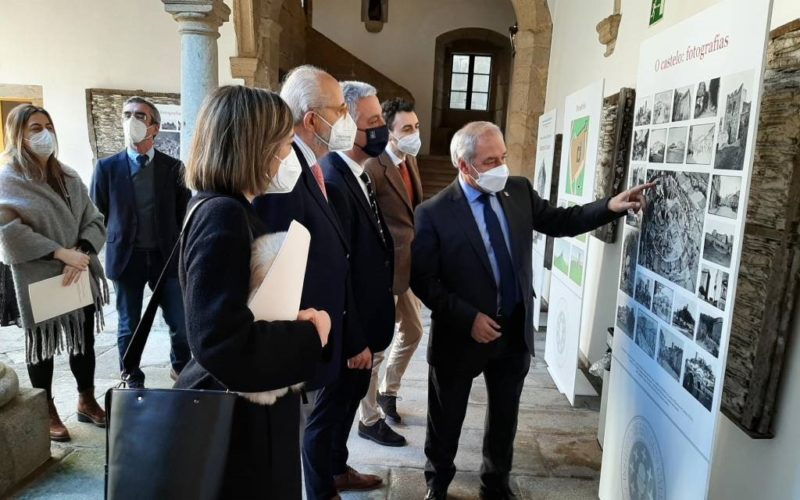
[[373, 203], [142, 160], [508, 281]]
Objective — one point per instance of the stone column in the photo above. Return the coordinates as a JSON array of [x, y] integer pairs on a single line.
[[199, 22]]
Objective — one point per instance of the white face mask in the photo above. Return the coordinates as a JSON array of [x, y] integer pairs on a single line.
[[409, 144], [135, 131], [343, 133], [288, 173], [494, 180], [43, 144]]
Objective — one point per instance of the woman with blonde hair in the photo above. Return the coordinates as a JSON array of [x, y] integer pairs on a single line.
[[49, 227], [241, 149]]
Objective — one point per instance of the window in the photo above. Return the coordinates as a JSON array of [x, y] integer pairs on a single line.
[[469, 82]]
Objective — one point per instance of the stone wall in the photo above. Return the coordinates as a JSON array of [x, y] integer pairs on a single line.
[[767, 286]]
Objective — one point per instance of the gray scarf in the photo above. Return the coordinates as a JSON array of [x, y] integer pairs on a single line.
[[35, 221]]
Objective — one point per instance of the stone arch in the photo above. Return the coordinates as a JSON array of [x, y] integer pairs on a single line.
[[445, 122]]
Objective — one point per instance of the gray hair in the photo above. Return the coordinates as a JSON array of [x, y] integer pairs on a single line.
[[462, 146], [301, 90], [141, 100], [355, 91]]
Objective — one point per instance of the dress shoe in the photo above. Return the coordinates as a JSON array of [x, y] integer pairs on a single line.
[[504, 494], [381, 433], [89, 412], [58, 431], [353, 480], [435, 494], [389, 406]]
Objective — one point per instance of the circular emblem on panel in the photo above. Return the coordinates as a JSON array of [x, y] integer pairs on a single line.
[[642, 464]]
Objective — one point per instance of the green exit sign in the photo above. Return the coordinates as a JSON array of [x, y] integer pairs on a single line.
[[656, 11]]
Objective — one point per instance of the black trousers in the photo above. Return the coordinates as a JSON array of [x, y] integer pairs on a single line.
[[325, 451], [448, 396], [82, 365]]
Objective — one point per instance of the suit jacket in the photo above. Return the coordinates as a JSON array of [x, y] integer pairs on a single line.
[[113, 193], [398, 210], [452, 275], [325, 287], [372, 260], [233, 351]]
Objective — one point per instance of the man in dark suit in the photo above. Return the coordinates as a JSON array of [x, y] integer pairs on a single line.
[[471, 265], [322, 124], [140, 192], [399, 190], [371, 325]]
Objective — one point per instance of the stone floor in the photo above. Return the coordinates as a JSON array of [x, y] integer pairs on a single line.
[[556, 457]]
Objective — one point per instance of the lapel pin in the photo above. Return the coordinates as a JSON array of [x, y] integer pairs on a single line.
[[506, 193]]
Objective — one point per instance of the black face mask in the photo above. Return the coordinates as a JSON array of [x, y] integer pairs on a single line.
[[377, 139]]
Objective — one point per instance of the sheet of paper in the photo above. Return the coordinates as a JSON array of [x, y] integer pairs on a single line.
[[49, 298], [278, 297]]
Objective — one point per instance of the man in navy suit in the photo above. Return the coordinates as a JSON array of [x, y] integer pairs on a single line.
[[471, 265], [371, 327], [140, 192], [321, 125]]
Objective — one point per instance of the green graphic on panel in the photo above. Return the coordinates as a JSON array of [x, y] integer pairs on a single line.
[[579, 140]]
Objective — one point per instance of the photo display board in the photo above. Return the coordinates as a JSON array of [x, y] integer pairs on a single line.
[[582, 115], [698, 92], [542, 181]]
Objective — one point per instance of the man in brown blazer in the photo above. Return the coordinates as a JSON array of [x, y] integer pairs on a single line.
[[398, 189]]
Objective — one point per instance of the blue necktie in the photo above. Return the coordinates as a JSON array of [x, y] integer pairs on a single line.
[[508, 281]]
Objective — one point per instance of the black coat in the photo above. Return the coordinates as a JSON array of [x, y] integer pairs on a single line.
[[325, 285], [243, 355], [451, 272], [371, 264], [113, 192]]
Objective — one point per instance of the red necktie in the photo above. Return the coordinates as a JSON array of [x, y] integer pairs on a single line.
[[317, 172], [407, 180]]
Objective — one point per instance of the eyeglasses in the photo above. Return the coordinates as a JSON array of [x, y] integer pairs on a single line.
[[341, 109], [139, 115]]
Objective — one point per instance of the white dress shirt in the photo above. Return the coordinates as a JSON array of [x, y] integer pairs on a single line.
[[309, 155], [357, 171]]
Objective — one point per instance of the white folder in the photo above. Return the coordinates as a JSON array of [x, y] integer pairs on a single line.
[[278, 296], [50, 298]]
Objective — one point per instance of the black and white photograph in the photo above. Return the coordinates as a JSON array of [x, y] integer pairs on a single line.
[[630, 252], [638, 176], [699, 380], [701, 144], [676, 144], [709, 333], [646, 333], [670, 353], [640, 137], [723, 200], [662, 108], [684, 314], [168, 140], [626, 315], [644, 290], [682, 104], [662, 301], [658, 145], [718, 242], [705, 101], [734, 123], [713, 286], [644, 111], [672, 226]]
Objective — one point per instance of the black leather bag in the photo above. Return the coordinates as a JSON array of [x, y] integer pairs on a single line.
[[164, 443]]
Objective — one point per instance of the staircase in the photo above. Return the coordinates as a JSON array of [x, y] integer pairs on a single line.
[[436, 172]]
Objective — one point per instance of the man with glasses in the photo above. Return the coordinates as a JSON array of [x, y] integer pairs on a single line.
[[321, 125], [140, 192]]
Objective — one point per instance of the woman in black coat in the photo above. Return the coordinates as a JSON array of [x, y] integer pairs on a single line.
[[242, 148]]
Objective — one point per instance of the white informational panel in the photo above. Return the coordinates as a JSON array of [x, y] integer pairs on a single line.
[[546, 142], [698, 92], [582, 114]]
